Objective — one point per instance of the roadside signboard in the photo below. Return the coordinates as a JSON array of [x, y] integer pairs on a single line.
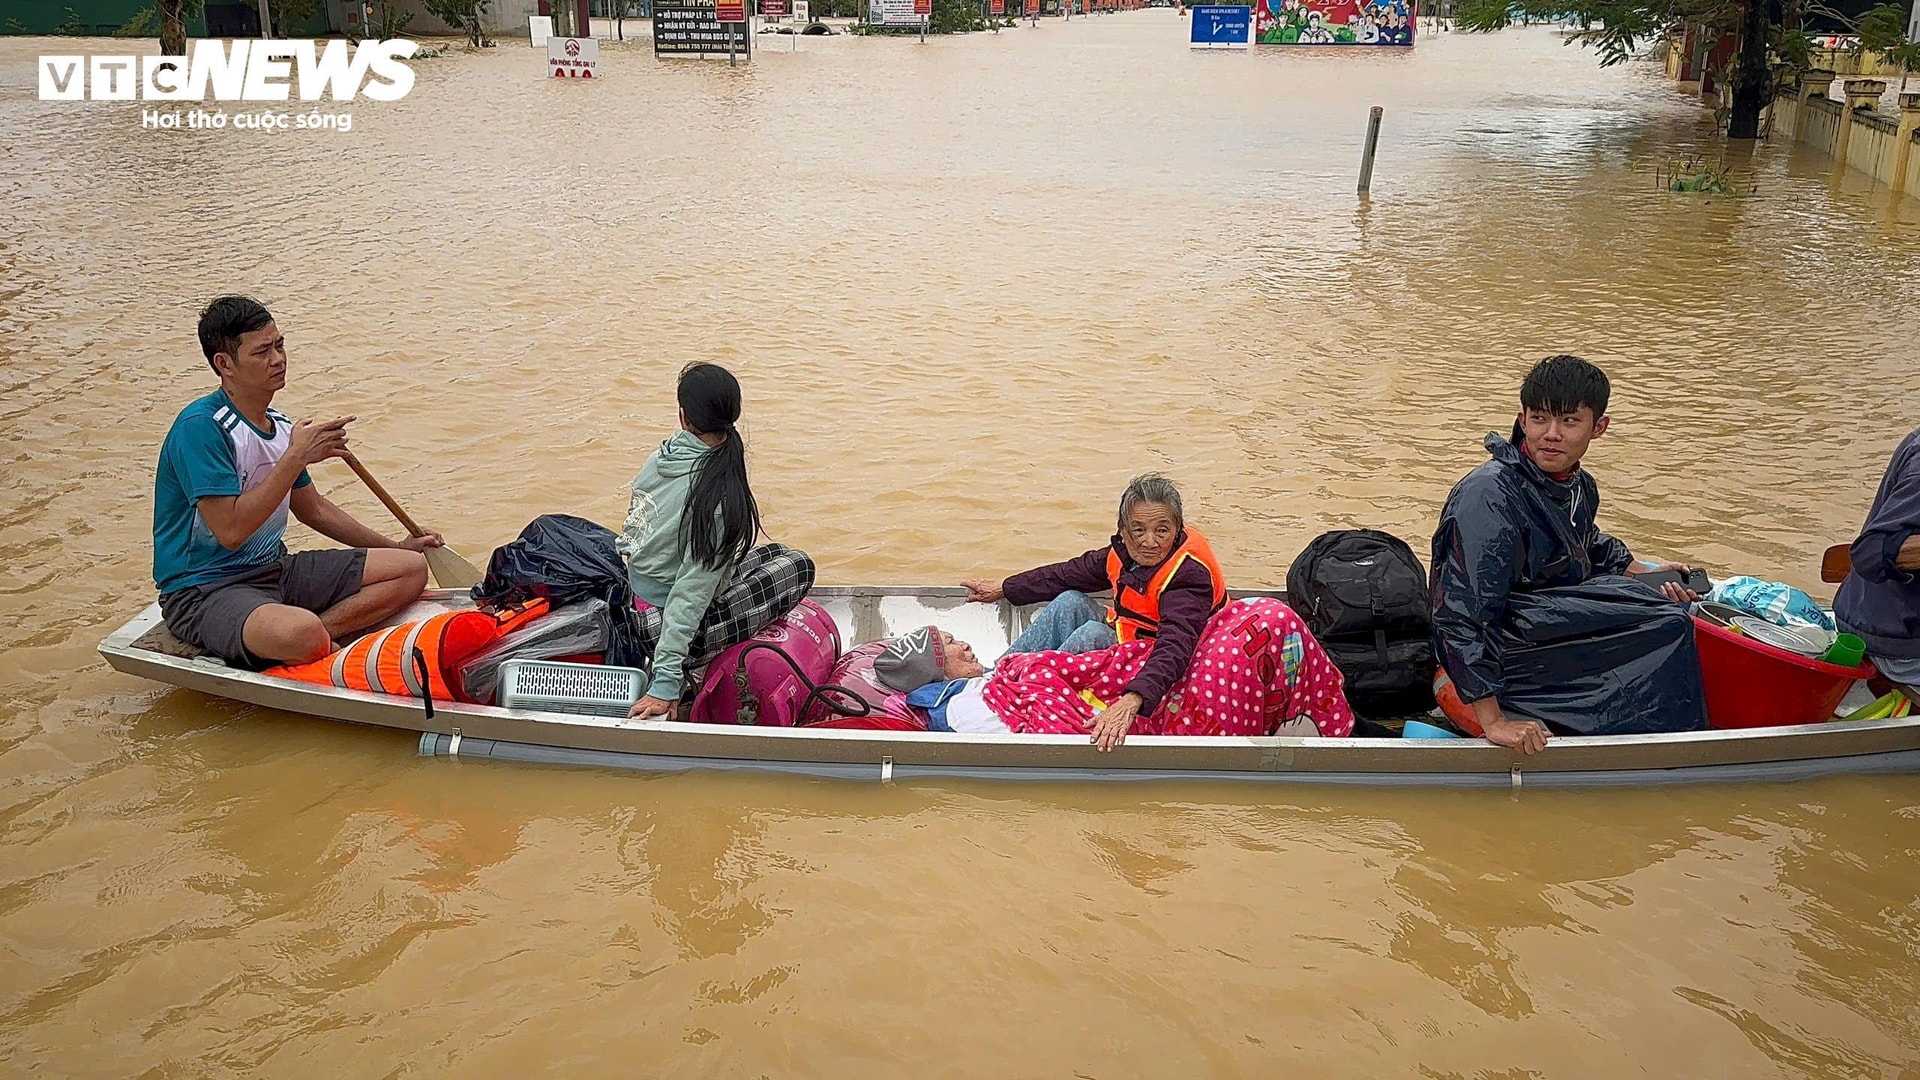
[[1222, 25], [1375, 23], [682, 28], [773, 9], [893, 13], [1033, 9], [800, 14], [573, 58], [997, 7], [539, 29], [923, 8], [731, 11]]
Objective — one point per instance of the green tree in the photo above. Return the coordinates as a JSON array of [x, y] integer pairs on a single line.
[[71, 26], [463, 15], [1618, 29], [956, 17], [1884, 30], [287, 14], [144, 24], [388, 22], [173, 24]]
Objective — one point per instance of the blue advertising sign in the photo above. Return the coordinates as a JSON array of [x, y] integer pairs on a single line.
[[1222, 25]]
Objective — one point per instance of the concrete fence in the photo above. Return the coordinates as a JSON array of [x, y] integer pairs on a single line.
[[1885, 146]]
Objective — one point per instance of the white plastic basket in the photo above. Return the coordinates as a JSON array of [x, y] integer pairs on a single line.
[[580, 689]]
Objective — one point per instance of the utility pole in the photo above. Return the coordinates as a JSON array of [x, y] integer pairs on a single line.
[[266, 21]]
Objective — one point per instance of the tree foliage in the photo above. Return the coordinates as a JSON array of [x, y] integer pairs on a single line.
[[173, 24], [288, 15], [144, 24], [466, 16], [1619, 30], [388, 21], [1883, 30]]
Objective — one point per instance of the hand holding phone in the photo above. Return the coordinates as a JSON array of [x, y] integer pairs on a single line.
[[1694, 581]]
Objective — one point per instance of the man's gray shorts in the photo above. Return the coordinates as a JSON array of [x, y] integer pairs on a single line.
[[213, 616]]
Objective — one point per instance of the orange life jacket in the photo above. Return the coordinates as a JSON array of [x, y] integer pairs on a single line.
[[421, 655], [1136, 613]]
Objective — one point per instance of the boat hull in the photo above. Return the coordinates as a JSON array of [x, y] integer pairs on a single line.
[[487, 731]]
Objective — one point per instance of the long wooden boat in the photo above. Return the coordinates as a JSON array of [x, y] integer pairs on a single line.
[[143, 647]]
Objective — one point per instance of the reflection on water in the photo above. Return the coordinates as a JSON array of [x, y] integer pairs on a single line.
[[942, 272]]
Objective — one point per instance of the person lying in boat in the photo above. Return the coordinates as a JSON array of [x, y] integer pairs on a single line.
[[1165, 582], [688, 544], [1879, 602], [1534, 612], [230, 470], [1257, 670]]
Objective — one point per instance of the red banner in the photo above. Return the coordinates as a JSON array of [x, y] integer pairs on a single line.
[[997, 7], [923, 7], [1033, 8], [774, 9], [734, 11]]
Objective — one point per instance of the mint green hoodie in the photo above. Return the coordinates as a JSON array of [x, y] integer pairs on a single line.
[[659, 569]]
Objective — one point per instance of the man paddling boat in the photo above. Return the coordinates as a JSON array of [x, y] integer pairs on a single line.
[[230, 470]]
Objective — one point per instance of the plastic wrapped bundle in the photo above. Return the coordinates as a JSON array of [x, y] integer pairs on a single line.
[[1782, 605], [574, 630]]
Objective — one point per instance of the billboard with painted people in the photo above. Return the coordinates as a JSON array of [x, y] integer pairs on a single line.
[[1334, 22]]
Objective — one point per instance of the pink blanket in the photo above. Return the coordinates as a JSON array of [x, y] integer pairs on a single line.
[[1256, 666]]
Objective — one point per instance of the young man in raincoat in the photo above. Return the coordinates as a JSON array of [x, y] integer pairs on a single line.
[[1537, 618]]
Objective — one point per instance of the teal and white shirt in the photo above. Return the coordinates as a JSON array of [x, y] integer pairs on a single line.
[[212, 451]]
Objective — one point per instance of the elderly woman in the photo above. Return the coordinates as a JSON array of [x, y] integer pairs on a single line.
[[1165, 582]]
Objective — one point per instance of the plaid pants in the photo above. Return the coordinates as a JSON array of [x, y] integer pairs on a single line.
[[768, 582]]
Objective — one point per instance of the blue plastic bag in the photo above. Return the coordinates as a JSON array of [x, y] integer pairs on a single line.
[[1782, 605]]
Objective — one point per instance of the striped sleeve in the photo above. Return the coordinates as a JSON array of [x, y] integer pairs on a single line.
[[200, 454]]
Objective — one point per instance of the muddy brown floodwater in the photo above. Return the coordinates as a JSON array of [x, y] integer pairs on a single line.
[[970, 288]]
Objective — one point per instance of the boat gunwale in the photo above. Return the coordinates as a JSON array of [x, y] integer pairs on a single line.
[[1250, 755]]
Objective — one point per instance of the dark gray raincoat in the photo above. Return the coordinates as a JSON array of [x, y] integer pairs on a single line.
[[1531, 606]]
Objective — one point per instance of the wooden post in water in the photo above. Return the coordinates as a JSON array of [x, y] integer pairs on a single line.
[[1366, 156]]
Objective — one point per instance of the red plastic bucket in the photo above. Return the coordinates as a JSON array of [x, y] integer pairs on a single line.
[[1751, 684]]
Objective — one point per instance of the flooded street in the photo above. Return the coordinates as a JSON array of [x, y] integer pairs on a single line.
[[969, 287]]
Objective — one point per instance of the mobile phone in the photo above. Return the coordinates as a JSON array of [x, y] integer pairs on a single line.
[[1695, 581]]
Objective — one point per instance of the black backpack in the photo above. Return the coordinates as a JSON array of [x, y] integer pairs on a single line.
[[1363, 593]]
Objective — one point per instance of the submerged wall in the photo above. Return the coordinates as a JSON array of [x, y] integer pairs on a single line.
[[1852, 132]]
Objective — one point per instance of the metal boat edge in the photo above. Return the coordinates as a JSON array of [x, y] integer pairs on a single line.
[[1752, 753]]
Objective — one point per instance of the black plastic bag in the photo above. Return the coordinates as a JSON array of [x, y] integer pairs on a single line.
[[565, 559]]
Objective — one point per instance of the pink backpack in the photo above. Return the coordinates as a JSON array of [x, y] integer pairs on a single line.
[[855, 673], [766, 680]]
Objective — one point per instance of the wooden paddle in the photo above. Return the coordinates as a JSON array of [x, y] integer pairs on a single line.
[[1836, 563], [449, 570]]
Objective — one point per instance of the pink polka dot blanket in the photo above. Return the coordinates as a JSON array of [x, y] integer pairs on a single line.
[[1255, 667]]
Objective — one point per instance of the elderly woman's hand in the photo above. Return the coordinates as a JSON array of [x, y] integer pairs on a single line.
[[983, 590], [1111, 726]]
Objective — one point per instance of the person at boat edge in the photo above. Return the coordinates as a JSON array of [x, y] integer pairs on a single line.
[[230, 471], [1166, 584], [941, 676], [1537, 620], [1879, 601], [688, 542]]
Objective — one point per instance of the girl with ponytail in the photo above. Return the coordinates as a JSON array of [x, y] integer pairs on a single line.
[[688, 542]]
